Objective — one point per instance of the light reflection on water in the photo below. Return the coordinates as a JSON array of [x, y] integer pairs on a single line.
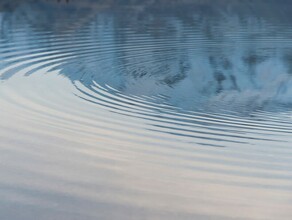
[[166, 111]]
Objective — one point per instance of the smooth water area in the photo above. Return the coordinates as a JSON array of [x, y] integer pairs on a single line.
[[145, 110]]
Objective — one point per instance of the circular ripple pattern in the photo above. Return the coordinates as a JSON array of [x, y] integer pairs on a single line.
[[179, 114]]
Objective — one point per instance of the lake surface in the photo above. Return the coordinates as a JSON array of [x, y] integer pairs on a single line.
[[145, 110]]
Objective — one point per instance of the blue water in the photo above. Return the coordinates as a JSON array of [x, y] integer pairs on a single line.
[[145, 110]]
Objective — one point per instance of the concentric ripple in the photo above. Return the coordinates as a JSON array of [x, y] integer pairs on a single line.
[[144, 112]]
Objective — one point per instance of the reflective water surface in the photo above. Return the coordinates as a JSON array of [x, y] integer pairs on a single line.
[[145, 110]]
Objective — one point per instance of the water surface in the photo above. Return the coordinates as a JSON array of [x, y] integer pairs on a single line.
[[118, 110]]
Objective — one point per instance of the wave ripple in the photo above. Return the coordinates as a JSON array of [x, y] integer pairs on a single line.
[[134, 112]]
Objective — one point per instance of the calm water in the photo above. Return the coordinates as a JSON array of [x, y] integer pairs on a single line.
[[160, 111]]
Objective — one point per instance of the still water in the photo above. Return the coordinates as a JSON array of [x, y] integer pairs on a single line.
[[145, 110]]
